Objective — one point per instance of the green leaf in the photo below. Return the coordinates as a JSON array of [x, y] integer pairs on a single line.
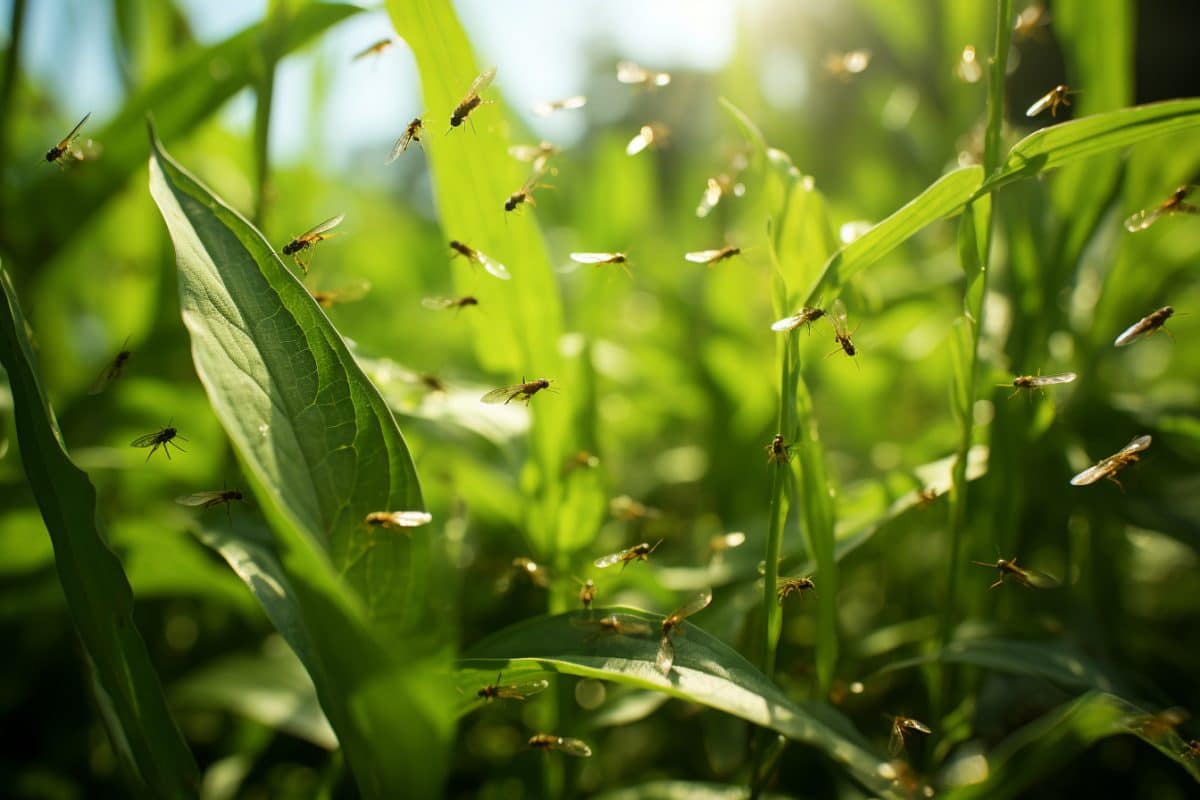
[[200, 82], [945, 197], [98, 595], [1061, 144], [683, 790], [321, 450], [706, 671], [1041, 747]]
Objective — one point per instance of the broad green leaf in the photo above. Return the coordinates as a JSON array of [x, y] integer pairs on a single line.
[[269, 687], [473, 175], [321, 450], [1061, 144], [705, 671], [945, 197], [98, 595], [199, 83], [1041, 747]]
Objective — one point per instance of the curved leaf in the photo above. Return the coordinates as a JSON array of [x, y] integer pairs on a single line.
[[321, 449], [705, 671], [198, 84], [97, 591], [1060, 144], [944, 197]]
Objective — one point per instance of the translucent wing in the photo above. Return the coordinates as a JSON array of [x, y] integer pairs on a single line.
[[856, 61], [1139, 444], [896, 741], [1038, 580], [494, 267], [479, 84], [1051, 380], [1093, 473], [525, 152], [640, 142], [914, 725], [1142, 220], [665, 656], [595, 258], [574, 747], [439, 303], [110, 374], [327, 299], [328, 224], [201, 499], [148, 440], [837, 315], [523, 690], [399, 147], [695, 603], [546, 109], [611, 558], [1041, 105], [1139, 328], [796, 320], [410, 519], [712, 196], [729, 540], [74, 131], [629, 72], [702, 256], [504, 394]]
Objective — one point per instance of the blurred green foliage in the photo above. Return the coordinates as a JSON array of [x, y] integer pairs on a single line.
[[675, 382]]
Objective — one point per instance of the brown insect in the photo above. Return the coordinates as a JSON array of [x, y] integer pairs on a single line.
[[548, 741], [412, 133], [493, 267], [210, 499], [789, 586], [805, 316], [778, 452], [1156, 726], [1109, 467], [841, 329], [651, 134], [603, 258], [513, 691], [901, 727], [112, 371], [521, 391], [374, 49], [1054, 99], [617, 624], [525, 193], [1033, 382], [161, 438], [1174, 204], [1029, 578], [639, 552], [471, 99], [433, 383], [630, 73], [1146, 326], [712, 257], [440, 303], [715, 189], [665, 657], [566, 104], [398, 520], [587, 592], [309, 239], [64, 146]]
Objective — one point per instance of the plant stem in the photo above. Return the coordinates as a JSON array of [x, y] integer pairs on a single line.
[[12, 59], [264, 96]]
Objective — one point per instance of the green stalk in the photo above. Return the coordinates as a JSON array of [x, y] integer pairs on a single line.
[[8, 81], [264, 96]]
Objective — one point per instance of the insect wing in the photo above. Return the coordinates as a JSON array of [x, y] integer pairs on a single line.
[[399, 147], [702, 256], [730, 540], [1051, 380], [1038, 580], [66, 141], [439, 303], [1041, 105], [595, 258], [1142, 220], [479, 84], [148, 440], [896, 740], [202, 499], [1094, 473], [1137, 329], [837, 315], [665, 657], [573, 747], [525, 152], [519, 691], [629, 72], [327, 225], [613, 558], [504, 394], [697, 602], [640, 142], [110, 374], [712, 196], [493, 267]]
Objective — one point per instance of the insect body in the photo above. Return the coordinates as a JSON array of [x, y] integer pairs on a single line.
[[1109, 467], [493, 267], [412, 133], [805, 316], [1029, 578], [525, 193], [666, 651], [603, 258], [841, 330], [618, 624], [471, 99], [515, 691], [711, 257], [639, 552], [439, 303], [587, 592], [1054, 99], [789, 586], [63, 148], [1145, 326], [398, 520], [548, 741], [521, 391], [653, 133], [778, 452], [1174, 204], [210, 499], [374, 49], [715, 189], [1032, 382], [160, 438], [901, 727], [309, 239]]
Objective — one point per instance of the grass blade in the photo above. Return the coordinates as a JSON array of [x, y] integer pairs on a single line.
[[98, 595], [322, 450]]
